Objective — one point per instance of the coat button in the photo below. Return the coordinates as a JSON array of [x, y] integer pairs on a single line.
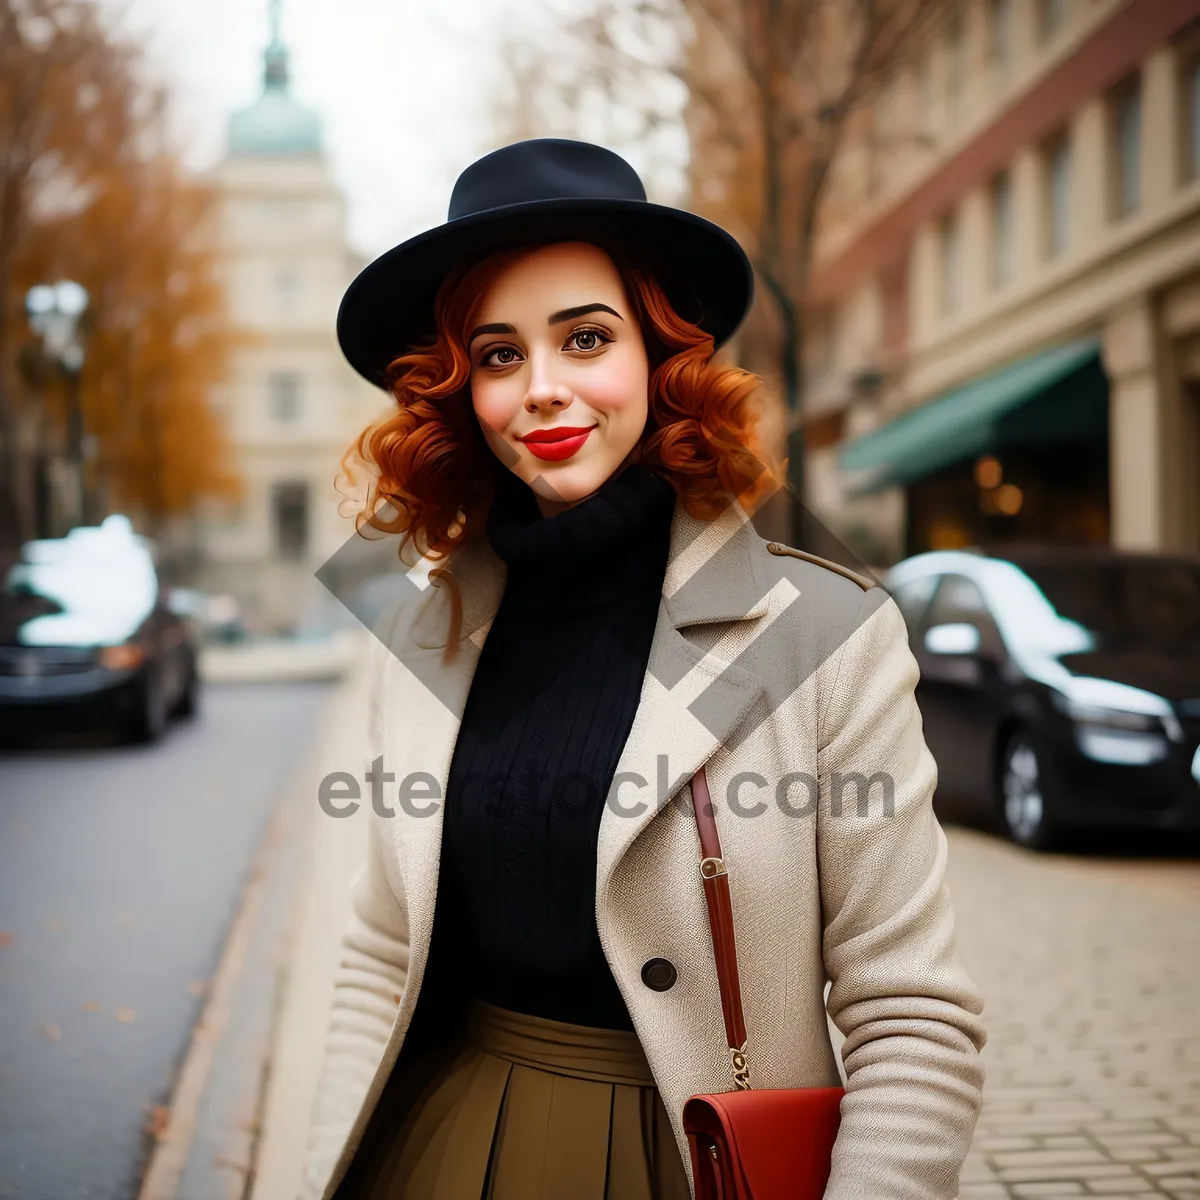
[[659, 974]]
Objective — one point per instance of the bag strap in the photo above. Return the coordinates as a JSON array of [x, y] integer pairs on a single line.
[[720, 922]]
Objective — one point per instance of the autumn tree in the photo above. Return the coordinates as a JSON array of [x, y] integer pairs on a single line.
[[91, 190], [771, 90]]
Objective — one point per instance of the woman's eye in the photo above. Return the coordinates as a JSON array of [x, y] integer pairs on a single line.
[[502, 356], [587, 340]]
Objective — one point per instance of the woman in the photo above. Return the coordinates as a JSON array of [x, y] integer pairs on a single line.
[[527, 995]]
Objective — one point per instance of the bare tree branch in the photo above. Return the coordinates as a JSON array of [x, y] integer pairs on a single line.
[[774, 88]]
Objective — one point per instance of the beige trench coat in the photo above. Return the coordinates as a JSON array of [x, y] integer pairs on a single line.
[[796, 670]]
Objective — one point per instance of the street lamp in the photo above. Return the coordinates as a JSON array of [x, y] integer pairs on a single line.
[[56, 313]]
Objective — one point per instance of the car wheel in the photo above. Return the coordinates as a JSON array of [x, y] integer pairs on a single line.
[[188, 704], [1024, 809], [150, 717]]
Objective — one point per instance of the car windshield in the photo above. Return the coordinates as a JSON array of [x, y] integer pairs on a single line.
[[1130, 600], [93, 587]]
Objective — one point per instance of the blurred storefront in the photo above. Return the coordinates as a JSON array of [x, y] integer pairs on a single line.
[[1008, 330], [1020, 453], [293, 404]]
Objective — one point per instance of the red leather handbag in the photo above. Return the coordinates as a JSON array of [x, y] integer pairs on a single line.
[[746, 1145]]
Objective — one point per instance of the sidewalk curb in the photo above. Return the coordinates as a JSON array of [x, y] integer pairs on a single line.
[[281, 661], [212, 1131], [164, 1174], [322, 907]]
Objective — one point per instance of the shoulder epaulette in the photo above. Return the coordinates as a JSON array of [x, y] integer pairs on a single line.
[[862, 580]]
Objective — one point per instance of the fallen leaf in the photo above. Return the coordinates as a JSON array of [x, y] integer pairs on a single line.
[[159, 1121], [90, 1006], [125, 1014], [6, 939], [396, 997], [197, 987], [54, 924], [51, 1033]]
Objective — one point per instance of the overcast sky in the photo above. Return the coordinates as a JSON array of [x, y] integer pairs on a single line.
[[406, 90], [403, 88]]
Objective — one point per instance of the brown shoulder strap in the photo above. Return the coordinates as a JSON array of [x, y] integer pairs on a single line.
[[720, 922], [864, 581]]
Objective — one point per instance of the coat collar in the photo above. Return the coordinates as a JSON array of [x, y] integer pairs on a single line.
[[714, 573], [691, 700]]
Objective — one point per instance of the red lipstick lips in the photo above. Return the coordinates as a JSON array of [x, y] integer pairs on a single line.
[[558, 443]]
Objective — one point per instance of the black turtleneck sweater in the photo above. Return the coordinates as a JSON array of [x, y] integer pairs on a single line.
[[550, 707]]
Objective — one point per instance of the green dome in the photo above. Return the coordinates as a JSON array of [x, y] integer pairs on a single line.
[[275, 123]]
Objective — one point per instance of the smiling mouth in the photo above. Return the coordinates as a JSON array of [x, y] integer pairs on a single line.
[[558, 443]]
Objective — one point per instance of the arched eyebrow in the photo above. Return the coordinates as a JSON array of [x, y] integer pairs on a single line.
[[497, 328], [568, 314]]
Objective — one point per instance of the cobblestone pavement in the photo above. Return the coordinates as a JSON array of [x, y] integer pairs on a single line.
[[1090, 969]]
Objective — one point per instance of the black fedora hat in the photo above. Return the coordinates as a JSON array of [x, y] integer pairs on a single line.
[[544, 189]]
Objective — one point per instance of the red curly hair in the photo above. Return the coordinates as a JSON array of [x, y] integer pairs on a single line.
[[437, 473]]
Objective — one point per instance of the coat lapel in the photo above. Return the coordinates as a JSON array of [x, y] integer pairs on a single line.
[[428, 701], [691, 701]]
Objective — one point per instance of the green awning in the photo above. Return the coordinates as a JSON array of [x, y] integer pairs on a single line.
[[987, 414]]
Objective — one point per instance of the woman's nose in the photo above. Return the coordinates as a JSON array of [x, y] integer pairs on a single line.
[[543, 392]]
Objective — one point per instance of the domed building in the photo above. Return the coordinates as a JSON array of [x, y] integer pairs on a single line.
[[292, 404]]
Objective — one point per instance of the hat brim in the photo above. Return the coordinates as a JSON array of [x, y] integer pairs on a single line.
[[389, 306]]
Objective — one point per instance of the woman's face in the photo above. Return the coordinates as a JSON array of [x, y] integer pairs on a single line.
[[559, 374]]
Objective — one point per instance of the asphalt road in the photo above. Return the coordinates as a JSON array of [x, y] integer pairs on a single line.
[[120, 871]]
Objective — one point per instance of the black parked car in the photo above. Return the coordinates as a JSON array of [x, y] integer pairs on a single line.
[[1060, 689], [86, 635]]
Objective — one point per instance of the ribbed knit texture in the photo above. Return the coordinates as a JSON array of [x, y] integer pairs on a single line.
[[551, 704]]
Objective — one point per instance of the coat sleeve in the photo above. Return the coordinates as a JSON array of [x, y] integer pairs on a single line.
[[368, 983], [898, 992]]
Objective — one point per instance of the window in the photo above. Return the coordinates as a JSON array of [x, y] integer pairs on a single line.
[[886, 112], [1191, 118], [1003, 232], [951, 264], [956, 65], [912, 598], [1058, 196], [924, 94], [282, 212], [1120, 600], [882, 140], [1052, 15], [289, 506], [1000, 33], [284, 391], [820, 344], [287, 290], [960, 600], [1126, 149], [232, 512]]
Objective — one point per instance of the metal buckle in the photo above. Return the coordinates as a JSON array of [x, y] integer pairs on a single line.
[[741, 1068], [710, 868]]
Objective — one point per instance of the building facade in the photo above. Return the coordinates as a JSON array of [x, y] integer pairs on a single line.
[[292, 403], [1006, 332]]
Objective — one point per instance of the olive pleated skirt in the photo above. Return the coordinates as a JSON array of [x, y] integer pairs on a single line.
[[521, 1108]]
